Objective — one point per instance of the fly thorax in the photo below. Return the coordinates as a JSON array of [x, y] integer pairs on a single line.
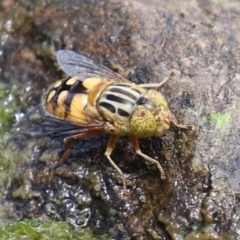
[[93, 98], [116, 128], [118, 101]]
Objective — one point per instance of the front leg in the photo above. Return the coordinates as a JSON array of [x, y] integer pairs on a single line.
[[139, 152], [111, 145], [158, 85]]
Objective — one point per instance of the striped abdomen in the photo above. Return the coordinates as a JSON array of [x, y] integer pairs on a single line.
[[69, 98]]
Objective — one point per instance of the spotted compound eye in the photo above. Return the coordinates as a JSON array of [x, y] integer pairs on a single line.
[[142, 123]]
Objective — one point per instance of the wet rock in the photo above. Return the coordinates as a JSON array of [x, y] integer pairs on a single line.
[[200, 197]]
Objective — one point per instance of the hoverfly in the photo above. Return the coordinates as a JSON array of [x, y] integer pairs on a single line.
[[98, 100]]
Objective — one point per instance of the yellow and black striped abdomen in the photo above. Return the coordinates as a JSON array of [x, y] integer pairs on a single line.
[[68, 98]]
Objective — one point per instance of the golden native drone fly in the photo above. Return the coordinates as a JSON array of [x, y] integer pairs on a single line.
[[99, 100]]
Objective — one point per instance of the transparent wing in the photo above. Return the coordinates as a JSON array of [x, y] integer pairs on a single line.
[[74, 64], [38, 123]]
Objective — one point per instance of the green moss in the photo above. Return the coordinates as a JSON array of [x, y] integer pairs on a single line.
[[222, 120], [226, 4], [38, 230], [10, 105], [178, 61], [8, 109]]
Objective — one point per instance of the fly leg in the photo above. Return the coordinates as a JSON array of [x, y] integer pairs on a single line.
[[139, 152], [175, 122], [111, 144], [158, 85], [70, 146]]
